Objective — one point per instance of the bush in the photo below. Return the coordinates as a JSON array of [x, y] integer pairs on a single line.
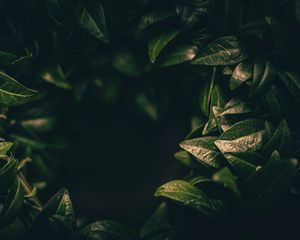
[[232, 63]]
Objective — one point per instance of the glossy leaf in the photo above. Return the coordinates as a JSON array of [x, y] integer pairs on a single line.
[[242, 73], [190, 196], [92, 20], [244, 136], [223, 51], [204, 150], [12, 92], [157, 43]]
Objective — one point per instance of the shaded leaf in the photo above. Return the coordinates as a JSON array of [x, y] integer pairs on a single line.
[[292, 82], [92, 20], [157, 43], [102, 230], [154, 16], [247, 135], [8, 170], [12, 92], [242, 73], [222, 51], [191, 196]]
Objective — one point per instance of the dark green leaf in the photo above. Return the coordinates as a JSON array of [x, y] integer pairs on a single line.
[[280, 141], [185, 158], [244, 163], [205, 94], [190, 196], [92, 20], [263, 74], [225, 177], [102, 230], [13, 93], [222, 51], [204, 150], [7, 58], [292, 82], [180, 54], [157, 43], [275, 102], [8, 170], [247, 135], [13, 202], [22, 65], [157, 222], [155, 16]]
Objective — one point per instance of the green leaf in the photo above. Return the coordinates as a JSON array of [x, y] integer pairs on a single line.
[[189, 195], [157, 222], [7, 58], [181, 54], [157, 43], [222, 51], [54, 74], [205, 93], [275, 102], [13, 93], [42, 124], [242, 73], [5, 147], [22, 65], [155, 16], [13, 202], [184, 158], [292, 82], [204, 150], [92, 20], [225, 177], [102, 230], [280, 141], [263, 74], [59, 10], [8, 170], [244, 136], [60, 204], [60, 229], [218, 101], [244, 163], [127, 63]]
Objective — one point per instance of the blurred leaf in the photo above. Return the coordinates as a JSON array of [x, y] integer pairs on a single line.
[[191, 196], [157, 43], [5, 147], [7, 58], [181, 54], [244, 136], [222, 51], [127, 63], [59, 10], [263, 74], [154, 16], [22, 65], [92, 20], [204, 150], [54, 74], [148, 107], [225, 177], [13, 93], [158, 221], [102, 230]]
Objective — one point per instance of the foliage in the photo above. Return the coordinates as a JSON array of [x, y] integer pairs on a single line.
[[241, 154]]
